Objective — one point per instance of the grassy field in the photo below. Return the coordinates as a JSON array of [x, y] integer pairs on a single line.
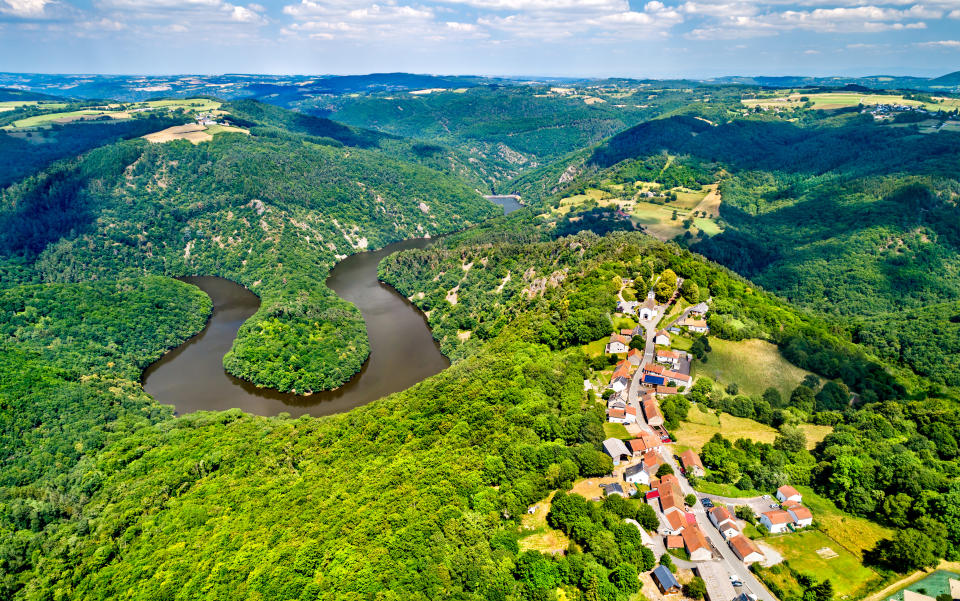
[[9, 105], [611, 430], [854, 534], [724, 490], [700, 427], [849, 576], [117, 111], [835, 100], [595, 348], [536, 535], [754, 365]]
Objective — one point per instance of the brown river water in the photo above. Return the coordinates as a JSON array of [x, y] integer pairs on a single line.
[[402, 350]]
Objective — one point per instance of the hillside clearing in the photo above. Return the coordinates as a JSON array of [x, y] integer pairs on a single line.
[[754, 365], [700, 427], [850, 578]]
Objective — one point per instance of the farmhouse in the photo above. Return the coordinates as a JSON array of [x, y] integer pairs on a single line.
[[669, 357], [643, 472], [665, 580], [621, 376], [745, 549], [653, 369], [696, 325], [721, 517], [788, 493], [646, 442], [675, 376], [696, 544], [617, 450], [662, 338], [692, 464], [618, 344], [802, 517], [776, 521], [651, 411]]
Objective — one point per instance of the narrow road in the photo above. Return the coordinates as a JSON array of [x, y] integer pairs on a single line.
[[731, 562]]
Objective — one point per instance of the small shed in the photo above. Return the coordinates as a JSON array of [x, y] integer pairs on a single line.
[[665, 580]]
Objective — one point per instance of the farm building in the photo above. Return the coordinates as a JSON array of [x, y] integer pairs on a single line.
[[617, 451], [696, 544], [665, 580], [788, 493], [691, 463], [776, 521], [745, 549], [618, 344]]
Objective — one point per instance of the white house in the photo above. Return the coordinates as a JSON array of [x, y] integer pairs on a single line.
[[788, 493], [618, 344], [802, 517], [776, 521], [744, 548], [725, 522], [696, 325], [625, 415], [669, 357], [662, 338]]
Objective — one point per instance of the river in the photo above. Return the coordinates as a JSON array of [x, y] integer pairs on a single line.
[[402, 350]]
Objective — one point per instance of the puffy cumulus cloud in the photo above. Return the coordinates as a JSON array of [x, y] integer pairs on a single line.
[[754, 19], [25, 9], [330, 19], [173, 12], [500, 19]]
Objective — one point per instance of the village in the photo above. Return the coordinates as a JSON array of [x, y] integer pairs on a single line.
[[702, 534]]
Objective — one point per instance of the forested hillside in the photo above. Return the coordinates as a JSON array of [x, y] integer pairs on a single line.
[[273, 213]]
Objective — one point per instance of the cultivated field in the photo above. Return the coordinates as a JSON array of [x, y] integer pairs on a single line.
[[754, 365], [193, 132], [835, 100]]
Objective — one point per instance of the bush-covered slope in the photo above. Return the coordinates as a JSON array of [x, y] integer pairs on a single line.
[[272, 214]]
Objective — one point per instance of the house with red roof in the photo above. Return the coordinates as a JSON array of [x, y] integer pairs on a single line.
[[788, 493], [618, 344], [802, 516], [692, 466], [745, 549], [776, 521]]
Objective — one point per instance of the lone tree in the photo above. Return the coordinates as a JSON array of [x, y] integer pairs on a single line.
[[695, 589], [663, 470]]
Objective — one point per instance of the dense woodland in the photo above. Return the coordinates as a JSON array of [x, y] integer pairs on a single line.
[[273, 214], [105, 494]]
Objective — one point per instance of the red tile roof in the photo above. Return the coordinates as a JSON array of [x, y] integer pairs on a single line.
[[801, 512], [674, 541], [694, 539], [788, 491], [779, 516], [690, 459], [743, 546]]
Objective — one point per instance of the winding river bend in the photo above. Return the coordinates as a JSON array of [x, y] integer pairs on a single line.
[[402, 349]]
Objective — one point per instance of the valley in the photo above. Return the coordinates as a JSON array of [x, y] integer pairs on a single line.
[[413, 337]]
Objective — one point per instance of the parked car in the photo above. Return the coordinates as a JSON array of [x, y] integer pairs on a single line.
[[737, 584], [774, 506], [706, 502]]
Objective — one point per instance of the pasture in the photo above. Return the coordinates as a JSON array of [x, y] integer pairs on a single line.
[[754, 365], [700, 427], [855, 534], [850, 578]]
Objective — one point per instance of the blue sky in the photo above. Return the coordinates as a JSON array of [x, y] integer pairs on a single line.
[[656, 38]]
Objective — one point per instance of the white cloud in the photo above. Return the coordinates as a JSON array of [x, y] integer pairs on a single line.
[[941, 44], [28, 9], [197, 12]]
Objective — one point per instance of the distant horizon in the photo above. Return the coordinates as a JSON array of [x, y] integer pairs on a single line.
[[517, 76], [654, 39]]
